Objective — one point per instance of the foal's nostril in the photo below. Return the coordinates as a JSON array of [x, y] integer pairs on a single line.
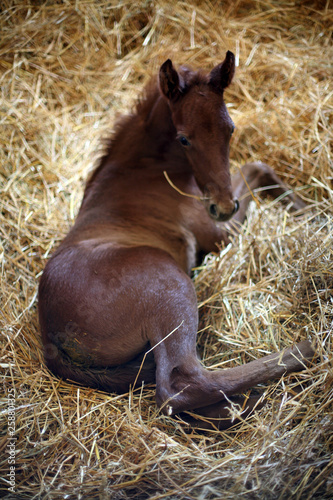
[[216, 214], [213, 210]]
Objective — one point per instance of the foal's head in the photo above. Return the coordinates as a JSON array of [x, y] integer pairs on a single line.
[[204, 128]]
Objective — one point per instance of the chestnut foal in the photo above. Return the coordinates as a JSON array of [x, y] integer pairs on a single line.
[[116, 303]]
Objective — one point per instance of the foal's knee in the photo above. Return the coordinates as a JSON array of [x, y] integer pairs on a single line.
[[260, 172]]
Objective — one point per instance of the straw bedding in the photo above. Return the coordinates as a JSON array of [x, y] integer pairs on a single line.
[[67, 69]]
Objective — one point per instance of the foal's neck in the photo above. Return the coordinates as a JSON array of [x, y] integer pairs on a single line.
[[148, 133], [147, 136]]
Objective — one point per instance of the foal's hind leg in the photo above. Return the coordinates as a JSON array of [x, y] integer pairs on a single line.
[[259, 175], [224, 414], [182, 383]]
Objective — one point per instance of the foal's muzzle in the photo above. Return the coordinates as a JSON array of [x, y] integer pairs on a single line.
[[219, 216]]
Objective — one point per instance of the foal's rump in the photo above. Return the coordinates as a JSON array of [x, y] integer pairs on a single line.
[[102, 308]]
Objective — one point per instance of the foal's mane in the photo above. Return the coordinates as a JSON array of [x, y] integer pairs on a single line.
[[140, 114]]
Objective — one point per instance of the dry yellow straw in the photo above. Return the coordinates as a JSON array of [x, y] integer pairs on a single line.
[[179, 190]]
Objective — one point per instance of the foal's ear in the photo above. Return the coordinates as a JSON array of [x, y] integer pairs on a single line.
[[169, 81], [221, 76]]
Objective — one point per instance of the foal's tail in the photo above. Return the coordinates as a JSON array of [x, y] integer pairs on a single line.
[[118, 379]]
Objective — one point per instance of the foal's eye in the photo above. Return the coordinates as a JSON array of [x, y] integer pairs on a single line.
[[183, 140]]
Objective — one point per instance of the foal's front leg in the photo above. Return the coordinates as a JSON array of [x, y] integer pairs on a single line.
[[209, 234], [259, 175]]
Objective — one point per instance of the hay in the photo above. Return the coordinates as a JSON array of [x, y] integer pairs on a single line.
[[67, 69]]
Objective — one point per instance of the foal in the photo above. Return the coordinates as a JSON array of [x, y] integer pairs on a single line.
[[118, 285]]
